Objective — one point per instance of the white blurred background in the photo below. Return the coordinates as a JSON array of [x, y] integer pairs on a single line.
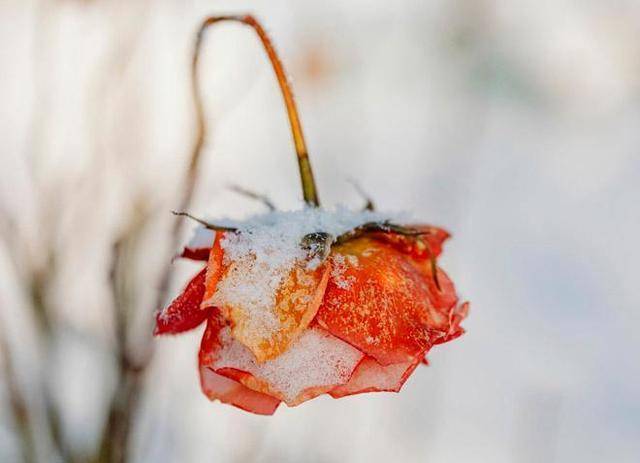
[[514, 124]]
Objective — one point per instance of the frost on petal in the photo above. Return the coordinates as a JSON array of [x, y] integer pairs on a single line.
[[184, 313], [316, 363], [267, 311], [226, 390], [370, 376], [389, 309]]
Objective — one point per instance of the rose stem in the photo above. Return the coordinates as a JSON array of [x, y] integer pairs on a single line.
[[309, 191]]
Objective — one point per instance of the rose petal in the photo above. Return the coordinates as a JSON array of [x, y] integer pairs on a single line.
[[381, 301], [201, 254], [200, 244], [435, 238], [455, 330], [218, 387], [420, 246], [184, 312], [226, 387], [316, 363], [215, 269], [370, 376], [444, 297], [269, 332]]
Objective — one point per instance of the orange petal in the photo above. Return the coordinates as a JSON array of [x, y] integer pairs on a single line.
[[316, 363], [380, 300], [184, 313], [268, 330], [370, 376], [215, 268]]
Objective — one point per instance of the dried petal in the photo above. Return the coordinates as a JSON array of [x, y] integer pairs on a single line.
[[201, 254], [456, 317], [184, 313], [382, 303], [444, 297], [370, 376], [420, 246], [269, 332], [215, 269], [316, 363], [226, 390]]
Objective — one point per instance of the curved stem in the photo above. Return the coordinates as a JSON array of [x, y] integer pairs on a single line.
[[306, 174]]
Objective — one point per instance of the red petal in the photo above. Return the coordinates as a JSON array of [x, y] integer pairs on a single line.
[[435, 238], [200, 245], [420, 246], [231, 392], [224, 384], [384, 302], [445, 297], [455, 330], [316, 363], [184, 312], [196, 253], [370, 376]]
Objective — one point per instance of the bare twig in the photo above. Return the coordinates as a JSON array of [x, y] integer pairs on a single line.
[[204, 223], [18, 405], [369, 205], [253, 195]]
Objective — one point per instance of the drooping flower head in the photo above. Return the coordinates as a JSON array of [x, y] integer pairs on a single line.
[[303, 303]]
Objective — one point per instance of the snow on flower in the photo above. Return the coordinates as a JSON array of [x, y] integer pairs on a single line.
[[284, 325]]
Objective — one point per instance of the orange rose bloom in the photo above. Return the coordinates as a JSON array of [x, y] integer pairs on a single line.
[[357, 313]]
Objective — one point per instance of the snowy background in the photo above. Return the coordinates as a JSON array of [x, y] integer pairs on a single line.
[[514, 124]]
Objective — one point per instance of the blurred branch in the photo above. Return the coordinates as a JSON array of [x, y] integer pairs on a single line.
[[115, 439], [18, 405], [37, 292], [37, 279]]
